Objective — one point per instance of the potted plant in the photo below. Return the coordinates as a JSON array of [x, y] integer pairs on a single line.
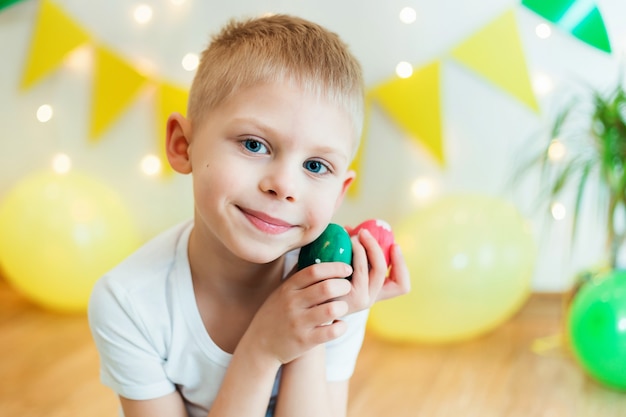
[[590, 135]]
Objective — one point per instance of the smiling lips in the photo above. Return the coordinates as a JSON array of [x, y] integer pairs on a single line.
[[265, 223]]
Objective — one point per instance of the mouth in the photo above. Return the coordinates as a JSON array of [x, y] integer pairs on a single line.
[[265, 222]]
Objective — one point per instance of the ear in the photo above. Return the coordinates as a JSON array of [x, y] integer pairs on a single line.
[[177, 140], [350, 176]]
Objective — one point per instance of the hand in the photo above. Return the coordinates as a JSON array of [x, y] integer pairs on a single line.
[[301, 313], [372, 280]]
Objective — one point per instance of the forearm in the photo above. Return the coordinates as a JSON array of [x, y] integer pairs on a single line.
[[247, 385], [304, 390]]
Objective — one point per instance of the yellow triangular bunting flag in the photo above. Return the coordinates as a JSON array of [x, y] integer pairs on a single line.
[[170, 99], [415, 104], [495, 52], [115, 85], [55, 35]]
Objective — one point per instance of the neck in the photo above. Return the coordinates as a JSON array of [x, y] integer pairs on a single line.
[[218, 272]]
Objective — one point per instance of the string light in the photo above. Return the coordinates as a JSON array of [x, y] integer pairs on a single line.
[[408, 15], [190, 61], [556, 150], [142, 14], [404, 69], [543, 31], [145, 66], [542, 84], [557, 210], [44, 113], [61, 163], [423, 189], [79, 60], [150, 165]]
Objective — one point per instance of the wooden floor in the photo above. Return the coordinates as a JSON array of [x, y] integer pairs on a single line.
[[49, 367]]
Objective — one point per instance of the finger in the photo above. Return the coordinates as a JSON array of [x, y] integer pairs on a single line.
[[376, 260], [319, 272], [399, 280], [325, 291], [323, 314], [360, 266], [326, 333]]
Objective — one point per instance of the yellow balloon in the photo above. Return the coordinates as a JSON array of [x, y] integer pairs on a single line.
[[471, 260], [59, 234]]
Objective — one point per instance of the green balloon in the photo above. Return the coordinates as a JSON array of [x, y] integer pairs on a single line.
[[333, 245], [597, 328]]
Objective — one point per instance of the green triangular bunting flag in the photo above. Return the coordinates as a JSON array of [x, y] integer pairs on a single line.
[[581, 18]]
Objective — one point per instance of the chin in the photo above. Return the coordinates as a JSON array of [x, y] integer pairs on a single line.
[[261, 257]]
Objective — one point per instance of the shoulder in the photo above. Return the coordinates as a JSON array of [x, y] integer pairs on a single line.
[[146, 265], [136, 290]]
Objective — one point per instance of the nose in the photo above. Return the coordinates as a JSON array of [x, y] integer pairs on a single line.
[[280, 181]]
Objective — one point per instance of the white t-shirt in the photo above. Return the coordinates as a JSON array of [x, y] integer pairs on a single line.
[[151, 338]]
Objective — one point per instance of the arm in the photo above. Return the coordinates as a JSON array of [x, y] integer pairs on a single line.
[[303, 389], [305, 392], [287, 329], [170, 405]]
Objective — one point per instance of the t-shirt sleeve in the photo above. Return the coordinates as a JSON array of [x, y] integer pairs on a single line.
[[342, 353], [130, 362]]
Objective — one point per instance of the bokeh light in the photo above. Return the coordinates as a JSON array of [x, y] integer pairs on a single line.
[[44, 113], [61, 163], [190, 61], [142, 14], [542, 84], [556, 150], [404, 69], [79, 60], [408, 15], [150, 165], [558, 211], [423, 189], [543, 31]]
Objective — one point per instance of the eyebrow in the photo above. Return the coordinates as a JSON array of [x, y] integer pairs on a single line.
[[256, 123]]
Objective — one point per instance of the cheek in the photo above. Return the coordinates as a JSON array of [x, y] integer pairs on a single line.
[[212, 181], [321, 206]]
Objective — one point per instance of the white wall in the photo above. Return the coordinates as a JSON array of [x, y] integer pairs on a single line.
[[485, 129]]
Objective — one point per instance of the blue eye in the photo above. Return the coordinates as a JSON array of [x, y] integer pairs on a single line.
[[254, 146], [316, 167]]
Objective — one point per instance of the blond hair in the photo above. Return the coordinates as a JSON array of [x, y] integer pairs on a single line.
[[277, 48]]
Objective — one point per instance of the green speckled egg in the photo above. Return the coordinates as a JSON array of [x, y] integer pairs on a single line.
[[333, 245]]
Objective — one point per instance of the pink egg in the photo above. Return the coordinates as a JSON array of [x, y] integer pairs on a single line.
[[381, 230]]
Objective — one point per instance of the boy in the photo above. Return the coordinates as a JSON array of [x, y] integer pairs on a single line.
[[211, 318]]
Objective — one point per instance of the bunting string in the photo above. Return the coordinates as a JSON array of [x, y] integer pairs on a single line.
[[494, 53]]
